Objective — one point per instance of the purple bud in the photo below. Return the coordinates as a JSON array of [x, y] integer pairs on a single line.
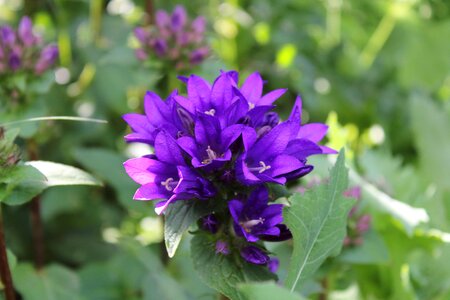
[[48, 57], [363, 224], [210, 223], [198, 25], [273, 264], [162, 19], [222, 247], [7, 35], [142, 35], [179, 18], [141, 54], [14, 61], [160, 47], [198, 55], [354, 192], [25, 31], [254, 255]]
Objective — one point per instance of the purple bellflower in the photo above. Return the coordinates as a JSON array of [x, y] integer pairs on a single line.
[[222, 143], [174, 39], [255, 217]]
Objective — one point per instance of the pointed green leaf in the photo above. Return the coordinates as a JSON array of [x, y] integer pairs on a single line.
[[224, 272], [318, 222], [179, 217], [59, 174]]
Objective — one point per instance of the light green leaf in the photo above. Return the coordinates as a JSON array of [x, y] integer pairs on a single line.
[[430, 125], [53, 283], [372, 251], [267, 291], [59, 174], [179, 217], [224, 272], [318, 222]]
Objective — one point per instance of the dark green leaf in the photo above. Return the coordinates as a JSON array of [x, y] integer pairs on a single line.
[[179, 217], [221, 272]]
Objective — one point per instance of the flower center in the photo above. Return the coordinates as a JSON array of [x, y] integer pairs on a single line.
[[263, 167], [211, 156], [210, 112], [247, 225], [169, 184]]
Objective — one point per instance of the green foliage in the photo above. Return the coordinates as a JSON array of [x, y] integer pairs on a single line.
[[224, 272], [267, 291], [54, 282], [318, 223]]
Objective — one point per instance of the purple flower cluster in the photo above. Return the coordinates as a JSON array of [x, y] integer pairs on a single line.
[[174, 38], [22, 50], [223, 143]]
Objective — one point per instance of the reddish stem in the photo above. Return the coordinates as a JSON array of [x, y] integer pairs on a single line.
[[150, 10], [37, 227], [5, 272]]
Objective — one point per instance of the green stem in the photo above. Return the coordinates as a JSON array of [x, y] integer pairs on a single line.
[[96, 14], [378, 38], [5, 272]]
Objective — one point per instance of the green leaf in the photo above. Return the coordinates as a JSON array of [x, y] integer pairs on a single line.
[[224, 272], [21, 185], [267, 291], [430, 125], [60, 175], [372, 251], [179, 217], [53, 283], [318, 222]]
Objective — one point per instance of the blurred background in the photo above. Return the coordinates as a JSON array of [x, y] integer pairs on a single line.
[[377, 72]]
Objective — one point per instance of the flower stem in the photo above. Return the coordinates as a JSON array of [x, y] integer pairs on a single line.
[[35, 215], [37, 232], [5, 272], [324, 294]]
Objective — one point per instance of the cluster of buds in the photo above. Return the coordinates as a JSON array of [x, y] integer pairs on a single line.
[[357, 224], [23, 50], [173, 38], [223, 145], [9, 154]]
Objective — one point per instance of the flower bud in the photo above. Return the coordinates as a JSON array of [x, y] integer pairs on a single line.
[[25, 32], [48, 57]]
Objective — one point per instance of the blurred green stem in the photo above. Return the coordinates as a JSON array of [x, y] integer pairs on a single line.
[[5, 272], [333, 34], [96, 13], [378, 38]]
